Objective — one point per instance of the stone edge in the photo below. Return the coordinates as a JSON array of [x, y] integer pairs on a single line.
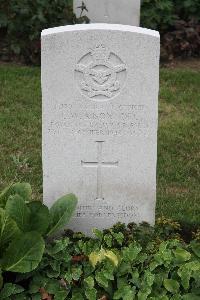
[[100, 26]]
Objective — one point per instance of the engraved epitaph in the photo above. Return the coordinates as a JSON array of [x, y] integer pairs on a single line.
[[100, 109]]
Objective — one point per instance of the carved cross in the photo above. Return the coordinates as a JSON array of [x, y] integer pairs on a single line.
[[99, 164]]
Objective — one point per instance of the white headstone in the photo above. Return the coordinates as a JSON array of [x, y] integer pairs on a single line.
[[110, 11], [100, 108]]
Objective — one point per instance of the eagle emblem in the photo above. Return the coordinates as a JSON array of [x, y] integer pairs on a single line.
[[100, 73]]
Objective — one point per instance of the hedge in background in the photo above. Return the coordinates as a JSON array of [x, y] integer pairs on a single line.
[[178, 22], [161, 15], [22, 21]]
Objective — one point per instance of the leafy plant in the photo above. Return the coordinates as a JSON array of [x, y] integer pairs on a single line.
[[162, 14], [118, 263], [184, 40], [179, 24], [26, 224], [21, 23], [158, 15], [134, 262]]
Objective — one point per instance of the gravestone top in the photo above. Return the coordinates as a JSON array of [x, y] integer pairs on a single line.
[[100, 109], [100, 26], [125, 12]]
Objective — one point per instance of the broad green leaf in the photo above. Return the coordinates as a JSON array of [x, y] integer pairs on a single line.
[[95, 257], [24, 253], [101, 279], [118, 294], [18, 211], [191, 266], [121, 282], [185, 275], [68, 277], [77, 295], [112, 256], [98, 233], [22, 189], [124, 268], [58, 246], [181, 255], [36, 296], [8, 228], [108, 270], [76, 273], [187, 271], [171, 285], [61, 212], [38, 280], [52, 274], [119, 237], [143, 294], [39, 217], [190, 297], [60, 295], [131, 252], [149, 278], [194, 265], [135, 277], [10, 289], [164, 255], [55, 264], [89, 281], [4, 195], [153, 265], [176, 297], [108, 239], [91, 294], [53, 287], [125, 293], [195, 247]]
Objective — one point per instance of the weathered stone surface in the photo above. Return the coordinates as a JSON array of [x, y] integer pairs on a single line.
[[100, 91], [110, 11]]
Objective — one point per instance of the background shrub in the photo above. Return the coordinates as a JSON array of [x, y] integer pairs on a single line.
[[21, 23], [157, 14], [162, 15], [178, 22]]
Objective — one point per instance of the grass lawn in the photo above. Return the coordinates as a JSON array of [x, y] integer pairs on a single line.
[[178, 175]]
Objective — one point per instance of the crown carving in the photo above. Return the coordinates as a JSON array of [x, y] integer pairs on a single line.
[[100, 53]]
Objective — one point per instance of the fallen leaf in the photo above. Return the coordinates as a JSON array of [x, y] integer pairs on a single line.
[[103, 298], [44, 294], [77, 258]]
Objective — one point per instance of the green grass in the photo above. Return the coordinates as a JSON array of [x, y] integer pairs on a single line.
[[20, 126], [178, 175]]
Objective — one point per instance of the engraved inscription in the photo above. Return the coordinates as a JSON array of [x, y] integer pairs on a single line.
[[112, 120], [99, 164], [105, 211], [100, 74]]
